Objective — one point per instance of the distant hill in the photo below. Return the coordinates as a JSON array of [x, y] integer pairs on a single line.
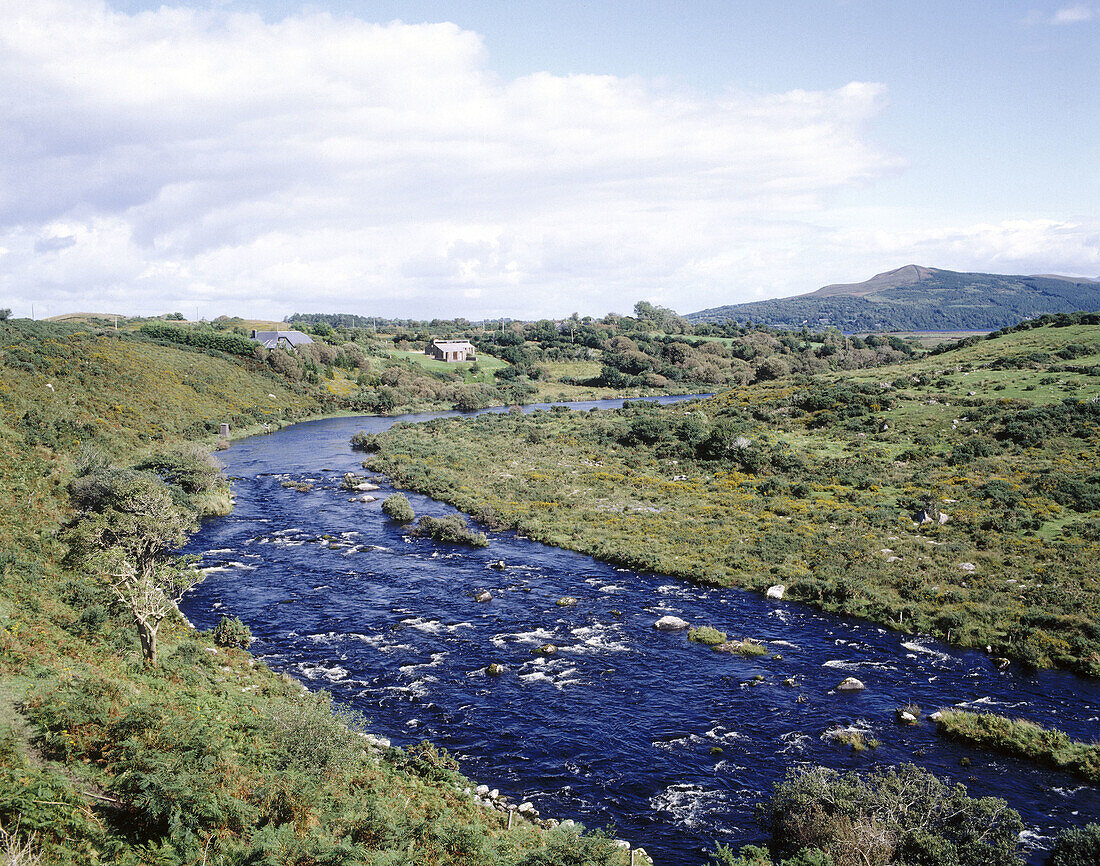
[[920, 299]]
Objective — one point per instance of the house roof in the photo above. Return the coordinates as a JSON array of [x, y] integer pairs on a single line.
[[271, 339], [452, 345]]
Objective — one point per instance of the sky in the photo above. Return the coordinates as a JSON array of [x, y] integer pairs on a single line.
[[533, 158]]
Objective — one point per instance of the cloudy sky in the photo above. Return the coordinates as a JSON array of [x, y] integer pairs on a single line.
[[532, 159]]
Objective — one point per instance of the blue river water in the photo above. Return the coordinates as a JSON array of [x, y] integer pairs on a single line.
[[626, 726]]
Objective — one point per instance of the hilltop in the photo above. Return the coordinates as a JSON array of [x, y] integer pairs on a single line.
[[919, 298]]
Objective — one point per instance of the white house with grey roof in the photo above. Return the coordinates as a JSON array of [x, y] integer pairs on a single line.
[[281, 339], [451, 350]]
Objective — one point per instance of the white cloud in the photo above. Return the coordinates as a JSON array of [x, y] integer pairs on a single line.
[[1072, 14], [185, 157]]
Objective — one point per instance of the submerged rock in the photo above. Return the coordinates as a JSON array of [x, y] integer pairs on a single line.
[[547, 649], [498, 565], [850, 684], [670, 623]]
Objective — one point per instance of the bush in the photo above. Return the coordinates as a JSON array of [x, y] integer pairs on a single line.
[[901, 815], [364, 441], [189, 467], [397, 507], [231, 632], [450, 530], [314, 738], [1077, 846]]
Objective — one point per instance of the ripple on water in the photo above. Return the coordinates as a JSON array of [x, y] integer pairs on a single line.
[[314, 671], [692, 805]]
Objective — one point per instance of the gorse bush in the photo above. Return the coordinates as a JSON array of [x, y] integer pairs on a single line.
[[231, 632], [397, 507]]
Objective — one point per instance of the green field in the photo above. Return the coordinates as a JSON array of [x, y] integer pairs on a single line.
[[817, 483], [486, 365]]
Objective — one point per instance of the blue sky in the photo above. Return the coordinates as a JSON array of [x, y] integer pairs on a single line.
[[533, 159]]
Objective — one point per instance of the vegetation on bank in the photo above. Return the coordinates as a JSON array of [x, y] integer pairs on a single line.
[[955, 495], [903, 815], [126, 737], [1024, 739]]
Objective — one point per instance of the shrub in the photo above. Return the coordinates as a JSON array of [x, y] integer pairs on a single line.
[[450, 530], [896, 815], [314, 738], [364, 441], [1076, 846], [231, 632], [397, 507], [189, 467]]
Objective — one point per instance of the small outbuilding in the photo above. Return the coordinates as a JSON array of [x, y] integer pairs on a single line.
[[281, 339], [451, 351]]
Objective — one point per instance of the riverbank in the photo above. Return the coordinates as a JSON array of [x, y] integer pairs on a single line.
[[673, 742], [911, 502], [210, 756]]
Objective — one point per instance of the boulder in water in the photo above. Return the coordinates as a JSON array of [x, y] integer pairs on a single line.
[[483, 596], [547, 649], [567, 601], [850, 684], [495, 669], [498, 565], [670, 623], [776, 591]]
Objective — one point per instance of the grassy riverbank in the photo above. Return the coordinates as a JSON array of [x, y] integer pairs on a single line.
[[955, 494], [209, 757]]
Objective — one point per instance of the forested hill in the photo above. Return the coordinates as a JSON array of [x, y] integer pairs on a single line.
[[920, 299]]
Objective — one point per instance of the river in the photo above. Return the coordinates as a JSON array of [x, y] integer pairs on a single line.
[[670, 743]]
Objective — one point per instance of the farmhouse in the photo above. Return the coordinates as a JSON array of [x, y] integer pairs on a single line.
[[451, 350], [281, 339]]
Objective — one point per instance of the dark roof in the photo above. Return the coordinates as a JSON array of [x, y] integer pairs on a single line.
[[272, 339]]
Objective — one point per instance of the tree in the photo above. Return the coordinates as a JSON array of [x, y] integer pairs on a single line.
[[5, 314], [150, 591], [129, 539]]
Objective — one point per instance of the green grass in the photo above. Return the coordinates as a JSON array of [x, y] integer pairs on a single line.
[[1024, 739], [487, 363]]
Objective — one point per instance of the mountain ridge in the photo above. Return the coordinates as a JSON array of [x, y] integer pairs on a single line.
[[917, 297]]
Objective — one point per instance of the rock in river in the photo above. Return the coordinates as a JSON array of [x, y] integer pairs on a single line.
[[850, 684], [670, 623], [776, 591]]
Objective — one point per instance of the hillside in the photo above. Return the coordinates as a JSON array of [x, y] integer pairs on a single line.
[[194, 752], [919, 299]]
